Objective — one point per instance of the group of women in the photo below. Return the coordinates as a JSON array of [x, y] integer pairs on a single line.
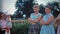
[[5, 23], [36, 19], [47, 21]]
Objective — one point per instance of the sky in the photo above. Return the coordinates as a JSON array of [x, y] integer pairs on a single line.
[[44, 2], [9, 5]]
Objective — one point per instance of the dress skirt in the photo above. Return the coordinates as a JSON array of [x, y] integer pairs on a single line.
[[34, 29], [58, 31], [47, 29]]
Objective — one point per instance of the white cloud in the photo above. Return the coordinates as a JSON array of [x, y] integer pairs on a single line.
[[9, 6]]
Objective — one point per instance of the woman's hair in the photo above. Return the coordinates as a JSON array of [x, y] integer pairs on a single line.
[[8, 15], [48, 7], [0, 15], [35, 5]]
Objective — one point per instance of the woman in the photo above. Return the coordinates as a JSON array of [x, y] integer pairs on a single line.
[[47, 24], [58, 23], [1, 32], [0, 19], [34, 20], [9, 24], [3, 22]]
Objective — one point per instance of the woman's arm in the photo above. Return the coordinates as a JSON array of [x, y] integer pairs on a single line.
[[38, 19], [10, 19], [42, 22], [57, 20], [48, 22], [30, 20]]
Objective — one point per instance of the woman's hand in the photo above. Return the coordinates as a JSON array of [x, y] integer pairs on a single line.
[[42, 22], [31, 21]]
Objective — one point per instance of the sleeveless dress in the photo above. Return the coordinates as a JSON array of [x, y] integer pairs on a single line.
[[34, 27], [47, 29], [58, 26]]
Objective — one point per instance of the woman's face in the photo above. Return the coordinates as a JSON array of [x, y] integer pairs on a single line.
[[47, 10], [36, 9], [8, 16], [3, 16]]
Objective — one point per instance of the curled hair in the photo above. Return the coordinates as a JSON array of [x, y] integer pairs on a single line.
[[35, 5]]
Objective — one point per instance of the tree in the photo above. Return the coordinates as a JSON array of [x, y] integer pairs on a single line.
[[23, 6], [28, 8], [55, 8]]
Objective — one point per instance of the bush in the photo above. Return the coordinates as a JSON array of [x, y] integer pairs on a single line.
[[20, 28]]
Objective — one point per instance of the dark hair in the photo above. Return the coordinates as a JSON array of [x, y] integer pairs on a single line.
[[48, 7], [35, 4], [0, 14]]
